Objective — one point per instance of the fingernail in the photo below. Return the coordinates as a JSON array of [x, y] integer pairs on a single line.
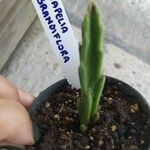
[[36, 132]]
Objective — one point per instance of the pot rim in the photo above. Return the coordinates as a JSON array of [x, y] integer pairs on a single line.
[[62, 83]]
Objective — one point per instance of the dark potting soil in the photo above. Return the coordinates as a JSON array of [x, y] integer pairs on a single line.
[[121, 126]]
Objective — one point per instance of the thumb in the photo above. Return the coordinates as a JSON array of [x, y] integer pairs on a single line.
[[26, 99], [15, 125]]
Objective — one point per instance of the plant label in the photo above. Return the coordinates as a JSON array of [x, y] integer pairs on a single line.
[[60, 34]]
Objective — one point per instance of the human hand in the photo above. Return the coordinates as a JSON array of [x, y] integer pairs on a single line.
[[15, 124]]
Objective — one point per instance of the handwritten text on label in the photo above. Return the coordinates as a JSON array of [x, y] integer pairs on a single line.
[[52, 26]]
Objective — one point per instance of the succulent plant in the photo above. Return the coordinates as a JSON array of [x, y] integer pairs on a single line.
[[91, 75]]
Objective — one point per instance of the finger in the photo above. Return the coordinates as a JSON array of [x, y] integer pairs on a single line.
[[6, 143], [26, 99], [8, 90], [15, 125]]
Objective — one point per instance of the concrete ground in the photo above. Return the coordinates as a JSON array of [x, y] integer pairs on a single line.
[[127, 23], [127, 55]]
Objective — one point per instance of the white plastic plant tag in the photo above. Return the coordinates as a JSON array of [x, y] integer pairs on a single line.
[[60, 34]]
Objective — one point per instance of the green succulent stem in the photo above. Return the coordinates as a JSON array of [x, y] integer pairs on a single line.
[[91, 75]]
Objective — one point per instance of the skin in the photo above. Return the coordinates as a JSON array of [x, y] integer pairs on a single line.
[[15, 124]]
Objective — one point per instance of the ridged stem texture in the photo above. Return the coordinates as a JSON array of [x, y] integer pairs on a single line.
[[91, 75]]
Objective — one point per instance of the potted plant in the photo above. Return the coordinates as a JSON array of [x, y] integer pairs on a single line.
[[105, 114]]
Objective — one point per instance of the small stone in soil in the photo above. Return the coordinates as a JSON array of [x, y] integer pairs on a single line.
[[47, 105], [91, 138], [113, 128], [100, 142], [71, 119], [142, 142], [122, 145], [134, 108], [93, 130], [70, 101], [105, 98], [68, 133], [67, 118], [110, 99], [87, 147], [134, 147], [56, 116], [66, 102]]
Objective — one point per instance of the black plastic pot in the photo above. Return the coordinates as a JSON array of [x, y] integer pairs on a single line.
[[127, 90]]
